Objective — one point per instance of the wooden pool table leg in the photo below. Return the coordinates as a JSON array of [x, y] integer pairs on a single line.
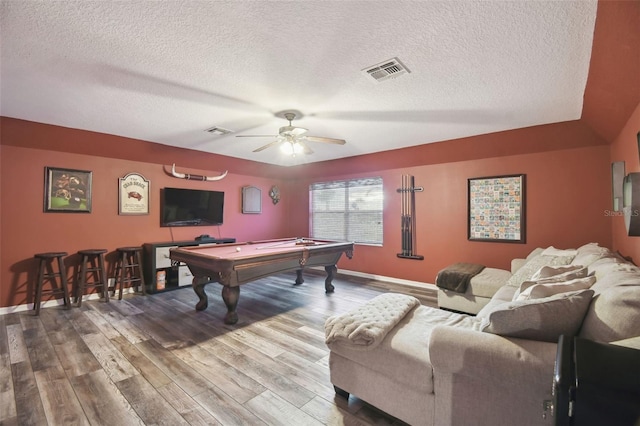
[[331, 270], [198, 286], [230, 296]]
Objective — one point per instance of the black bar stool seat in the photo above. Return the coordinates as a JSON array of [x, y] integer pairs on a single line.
[[46, 273], [93, 264], [129, 269]]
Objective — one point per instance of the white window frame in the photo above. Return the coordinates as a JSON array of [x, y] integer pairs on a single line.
[[350, 208]]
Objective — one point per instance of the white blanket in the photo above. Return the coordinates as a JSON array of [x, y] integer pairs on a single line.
[[366, 326]]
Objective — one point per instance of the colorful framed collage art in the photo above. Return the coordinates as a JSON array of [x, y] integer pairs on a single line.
[[496, 207]]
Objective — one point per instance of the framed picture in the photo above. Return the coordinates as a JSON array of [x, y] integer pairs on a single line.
[[67, 190], [133, 195], [496, 208]]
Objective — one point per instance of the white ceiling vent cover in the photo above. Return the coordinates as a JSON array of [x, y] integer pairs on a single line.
[[218, 130], [386, 70]]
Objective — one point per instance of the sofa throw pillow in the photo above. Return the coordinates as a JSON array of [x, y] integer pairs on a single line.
[[533, 265], [589, 253], [564, 272], [539, 291], [552, 251], [534, 253], [539, 319], [560, 278]]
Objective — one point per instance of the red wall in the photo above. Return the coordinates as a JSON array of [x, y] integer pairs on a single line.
[[27, 230], [567, 192], [625, 148], [613, 84]]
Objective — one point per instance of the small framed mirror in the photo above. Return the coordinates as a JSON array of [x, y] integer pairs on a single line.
[[251, 200], [617, 178]]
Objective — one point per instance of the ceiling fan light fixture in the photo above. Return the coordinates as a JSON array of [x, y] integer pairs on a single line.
[[291, 148], [291, 139]]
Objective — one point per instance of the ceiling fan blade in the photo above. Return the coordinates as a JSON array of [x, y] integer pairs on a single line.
[[423, 116], [256, 136], [269, 145], [145, 83], [305, 148], [326, 140]]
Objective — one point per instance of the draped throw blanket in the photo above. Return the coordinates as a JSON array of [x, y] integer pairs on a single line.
[[456, 277], [366, 326]]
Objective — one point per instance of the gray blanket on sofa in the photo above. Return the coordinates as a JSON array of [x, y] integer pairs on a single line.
[[456, 277], [367, 325]]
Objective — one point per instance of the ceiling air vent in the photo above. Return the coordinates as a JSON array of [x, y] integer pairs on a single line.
[[391, 68], [218, 130]]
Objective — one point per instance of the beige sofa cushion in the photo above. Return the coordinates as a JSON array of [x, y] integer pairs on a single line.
[[539, 319], [617, 277], [614, 313], [488, 281], [606, 265], [403, 355]]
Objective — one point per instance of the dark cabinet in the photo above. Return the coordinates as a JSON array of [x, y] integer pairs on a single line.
[[160, 275]]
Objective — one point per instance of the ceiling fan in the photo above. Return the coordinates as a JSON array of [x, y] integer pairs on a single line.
[[292, 140]]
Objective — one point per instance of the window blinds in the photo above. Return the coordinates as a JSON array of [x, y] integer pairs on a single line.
[[347, 210]]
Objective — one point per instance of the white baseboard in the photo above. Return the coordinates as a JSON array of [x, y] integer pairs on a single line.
[[389, 279]]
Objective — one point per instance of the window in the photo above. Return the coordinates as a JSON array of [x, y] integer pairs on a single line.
[[348, 210]]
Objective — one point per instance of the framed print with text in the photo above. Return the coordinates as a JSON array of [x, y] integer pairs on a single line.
[[496, 209], [133, 195]]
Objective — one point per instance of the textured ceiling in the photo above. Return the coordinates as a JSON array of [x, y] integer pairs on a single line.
[[166, 71]]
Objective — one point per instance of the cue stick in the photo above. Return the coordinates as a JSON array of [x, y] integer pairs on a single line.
[[407, 224], [408, 229], [413, 214], [403, 225], [279, 244], [409, 218]]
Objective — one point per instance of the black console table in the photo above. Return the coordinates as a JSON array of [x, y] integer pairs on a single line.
[[159, 274]]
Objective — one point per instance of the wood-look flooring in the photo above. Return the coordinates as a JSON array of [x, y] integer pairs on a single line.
[[155, 360]]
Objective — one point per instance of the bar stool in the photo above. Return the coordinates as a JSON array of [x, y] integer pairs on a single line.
[[130, 258], [92, 264], [46, 273]]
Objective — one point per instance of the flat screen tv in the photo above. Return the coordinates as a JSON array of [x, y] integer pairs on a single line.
[[191, 207]]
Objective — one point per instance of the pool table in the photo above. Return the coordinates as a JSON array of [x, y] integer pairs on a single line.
[[235, 264]]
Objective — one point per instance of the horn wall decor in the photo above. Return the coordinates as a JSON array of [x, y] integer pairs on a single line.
[[195, 177]]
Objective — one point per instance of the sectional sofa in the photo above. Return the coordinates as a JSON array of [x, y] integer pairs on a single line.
[[428, 366]]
